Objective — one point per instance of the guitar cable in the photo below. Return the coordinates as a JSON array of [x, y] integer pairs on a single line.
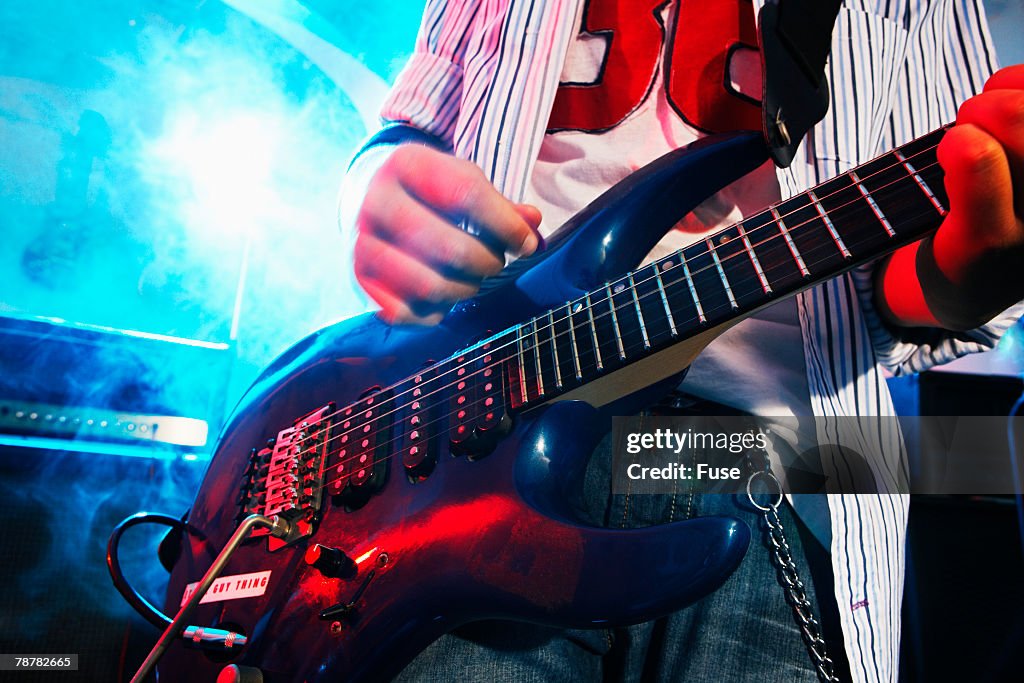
[[176, 627], [144, 607]]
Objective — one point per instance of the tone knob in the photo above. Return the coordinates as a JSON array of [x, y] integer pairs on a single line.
[[234, 673], [329, 561]]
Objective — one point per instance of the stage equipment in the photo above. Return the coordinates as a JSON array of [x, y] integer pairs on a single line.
[[89, 388]]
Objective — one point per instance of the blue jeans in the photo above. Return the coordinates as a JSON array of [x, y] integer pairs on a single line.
[[745, 631]]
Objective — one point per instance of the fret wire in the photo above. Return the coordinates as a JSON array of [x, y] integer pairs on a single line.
[[693, 290], [790, 243], [921, 183], [871, 201], [522, 364], [593, 332], [615, 321], [828, 224], [572, 338], [536, 359], [639, 313], [753, 259], [664, 301], [554, 349], [721, 273]]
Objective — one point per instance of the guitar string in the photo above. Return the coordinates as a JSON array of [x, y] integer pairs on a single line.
[[754, 286], [857, 203], [441, 418]]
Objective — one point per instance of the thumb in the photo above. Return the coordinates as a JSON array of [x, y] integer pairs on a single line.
[[979, 185]]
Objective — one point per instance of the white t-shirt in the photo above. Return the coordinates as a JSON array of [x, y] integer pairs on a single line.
[[756, 366]]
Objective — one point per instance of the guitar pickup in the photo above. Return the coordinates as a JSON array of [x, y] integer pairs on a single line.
[[477, 404], [357, 459]]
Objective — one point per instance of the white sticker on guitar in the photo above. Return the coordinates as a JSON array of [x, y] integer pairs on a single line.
[[232, 587]]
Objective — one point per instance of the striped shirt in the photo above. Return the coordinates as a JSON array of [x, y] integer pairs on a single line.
[[483, 79]]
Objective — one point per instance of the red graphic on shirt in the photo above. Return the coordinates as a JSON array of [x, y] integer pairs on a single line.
[[696, 65]]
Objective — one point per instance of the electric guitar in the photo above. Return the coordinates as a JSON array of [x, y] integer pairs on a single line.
[[429, 476]]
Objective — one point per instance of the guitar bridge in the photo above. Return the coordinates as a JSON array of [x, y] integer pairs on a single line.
[[287, 477]]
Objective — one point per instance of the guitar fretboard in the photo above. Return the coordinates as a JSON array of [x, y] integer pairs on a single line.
[[807, 239]]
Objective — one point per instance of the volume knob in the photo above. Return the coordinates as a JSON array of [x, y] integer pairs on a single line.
[[330, 562]]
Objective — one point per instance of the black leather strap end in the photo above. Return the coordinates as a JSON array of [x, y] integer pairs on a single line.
[[795, 93]]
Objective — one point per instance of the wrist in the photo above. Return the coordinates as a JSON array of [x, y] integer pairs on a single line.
[[964, 291]]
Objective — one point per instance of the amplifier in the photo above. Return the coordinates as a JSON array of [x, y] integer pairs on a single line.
[[86, 387]]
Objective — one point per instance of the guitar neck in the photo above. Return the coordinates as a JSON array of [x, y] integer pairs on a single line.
[[849, 220], [795, 244]]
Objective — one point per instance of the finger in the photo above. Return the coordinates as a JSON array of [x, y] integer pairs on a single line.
[[392, 309], [1008, 78], [531, 214], [1000, 113], [459, 189], [422, 289], [979, 186], [406, 223]]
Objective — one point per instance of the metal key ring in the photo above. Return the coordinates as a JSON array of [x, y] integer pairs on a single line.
[[750, 493]]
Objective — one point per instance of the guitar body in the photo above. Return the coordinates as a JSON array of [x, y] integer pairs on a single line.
[[487, 532]]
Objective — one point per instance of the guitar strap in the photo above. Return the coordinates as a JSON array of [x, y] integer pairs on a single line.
[[795, 38]]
